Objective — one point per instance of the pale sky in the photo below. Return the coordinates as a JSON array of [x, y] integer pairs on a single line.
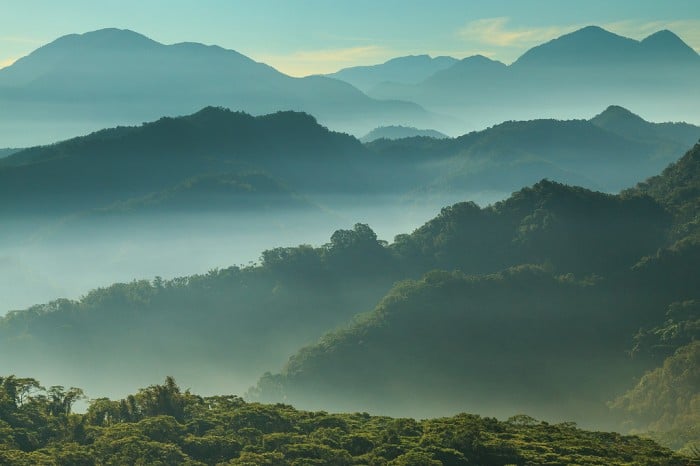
[[301, 37]]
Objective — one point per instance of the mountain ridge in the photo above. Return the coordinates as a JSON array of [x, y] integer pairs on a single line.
[[121, 77]]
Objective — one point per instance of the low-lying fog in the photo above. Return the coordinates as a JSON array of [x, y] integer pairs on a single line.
[[40, 262]]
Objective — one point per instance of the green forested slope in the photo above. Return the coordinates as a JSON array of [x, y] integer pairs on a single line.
[[678, 188], [163, 425]]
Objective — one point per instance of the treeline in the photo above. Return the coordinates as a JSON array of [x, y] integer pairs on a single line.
[[164, 425]]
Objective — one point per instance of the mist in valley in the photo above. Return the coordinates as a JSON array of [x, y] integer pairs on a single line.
[[417, 238]]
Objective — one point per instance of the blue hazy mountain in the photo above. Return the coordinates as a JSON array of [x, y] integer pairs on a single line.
[[83, 82], [621, 121], [593, 46], [613, 150], [411, 69], [400, 132], [568, 77]]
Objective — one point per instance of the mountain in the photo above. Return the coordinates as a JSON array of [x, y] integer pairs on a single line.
[[594, 46], [49, 194], [567, 77], [400, 132], [612, 151], [411, 69], [677, 188], [458, 82], [621, 121], [520, 339], [228, 325], [126, 162], [456, 341], [82, 82]]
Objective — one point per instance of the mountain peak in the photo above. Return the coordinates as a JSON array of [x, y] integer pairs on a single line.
[[663, 35], [585, 46], [108, 37], [668, 45], [618, 112]]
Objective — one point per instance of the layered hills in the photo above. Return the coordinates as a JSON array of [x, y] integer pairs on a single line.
[[585, 69], [302, 180], [82, 82]]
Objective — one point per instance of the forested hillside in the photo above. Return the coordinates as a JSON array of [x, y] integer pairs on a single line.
[[123, 163], [560, 338], [234, 323], [678, 188], [162, 424]]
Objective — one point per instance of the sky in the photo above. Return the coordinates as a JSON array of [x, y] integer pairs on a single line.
[[302, 37]]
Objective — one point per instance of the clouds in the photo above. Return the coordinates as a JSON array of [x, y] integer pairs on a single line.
[[495, 38], [7, 61], [14, 47], [495, 32], [305, 62]]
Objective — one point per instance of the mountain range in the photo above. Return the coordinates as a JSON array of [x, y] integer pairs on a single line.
[[411, 69], [588, 68], [613, 150], [83, 82]]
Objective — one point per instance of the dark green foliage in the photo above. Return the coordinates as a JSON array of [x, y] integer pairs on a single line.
[[666, 401], [681, 327], [225, 430], [494, 342], [540, 225], [678, 188]]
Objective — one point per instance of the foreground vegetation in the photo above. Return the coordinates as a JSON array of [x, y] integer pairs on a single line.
[[162, 425]]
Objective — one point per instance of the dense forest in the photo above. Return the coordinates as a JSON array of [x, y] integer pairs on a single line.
[[164, 425]]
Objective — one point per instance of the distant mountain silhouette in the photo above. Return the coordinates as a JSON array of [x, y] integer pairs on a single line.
[[621, 121], [399, 132], [568, 77], [612, 151], [411, 69], [114, 76], [130, 162], [594, 46]]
